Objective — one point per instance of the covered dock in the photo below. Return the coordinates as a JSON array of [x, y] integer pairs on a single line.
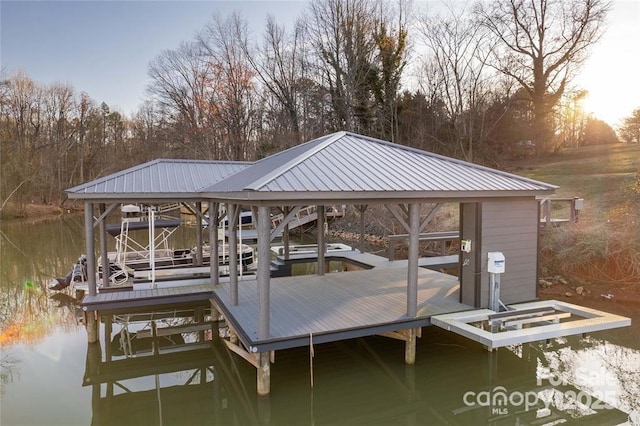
[[498, 212]]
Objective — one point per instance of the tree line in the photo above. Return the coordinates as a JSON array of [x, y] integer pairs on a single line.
[[482, 82]]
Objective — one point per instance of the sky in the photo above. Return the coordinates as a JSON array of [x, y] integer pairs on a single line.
[[104, 47]]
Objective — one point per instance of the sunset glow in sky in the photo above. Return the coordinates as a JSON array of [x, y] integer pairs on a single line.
[[104, 47], [612, 72]]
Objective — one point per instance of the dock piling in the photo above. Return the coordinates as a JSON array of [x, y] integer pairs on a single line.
[[410, 347], [264, 374], [91, 324]]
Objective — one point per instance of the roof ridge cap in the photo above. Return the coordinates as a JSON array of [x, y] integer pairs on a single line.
[[263, 180]]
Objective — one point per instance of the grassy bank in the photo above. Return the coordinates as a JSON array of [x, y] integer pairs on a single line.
[[603, 247], [597, 260], [602, 175]]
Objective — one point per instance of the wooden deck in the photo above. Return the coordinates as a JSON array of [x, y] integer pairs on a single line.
[[375, 261], [107, 301], [337, 306]]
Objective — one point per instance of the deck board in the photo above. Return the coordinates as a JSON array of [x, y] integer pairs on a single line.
[[141, 298], [338, 303]]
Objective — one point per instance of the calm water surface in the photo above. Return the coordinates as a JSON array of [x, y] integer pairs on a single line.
[[45, 358]]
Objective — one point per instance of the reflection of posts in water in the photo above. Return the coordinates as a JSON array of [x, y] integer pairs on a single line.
[[264, 410], [493, 378], [410, 384], [108, 350], [234, 384], [92, 366]]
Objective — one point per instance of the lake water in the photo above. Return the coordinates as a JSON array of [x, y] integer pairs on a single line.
[[45, 359]]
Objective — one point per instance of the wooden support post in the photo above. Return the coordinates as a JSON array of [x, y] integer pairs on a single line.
[[285, 234], [198, 235], [547, 213], [215, 312], [214, 270], [90, 249], [264, 272], [264, 374], [410, 347], [103, 247], [232, 214], [412, 274], [362, 208], [199, 317], [91, 324], [155, 344], [321, 239]]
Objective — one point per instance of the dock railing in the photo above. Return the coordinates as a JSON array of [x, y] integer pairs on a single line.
[[437, 237], [308, 214], [302, 217], [550, 207]]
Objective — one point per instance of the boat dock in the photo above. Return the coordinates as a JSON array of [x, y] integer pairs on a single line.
[[499, 221], [317, 309]]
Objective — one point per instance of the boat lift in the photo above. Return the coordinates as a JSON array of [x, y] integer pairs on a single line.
[[523, 322]]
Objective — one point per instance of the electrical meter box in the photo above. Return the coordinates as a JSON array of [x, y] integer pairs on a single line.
[[496, 262]]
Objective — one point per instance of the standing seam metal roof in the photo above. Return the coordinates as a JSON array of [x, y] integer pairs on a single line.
[[162, 176], [340, 163], [349, 162]]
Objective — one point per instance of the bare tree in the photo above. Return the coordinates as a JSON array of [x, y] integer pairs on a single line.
[[233, 96], [58, 110], [540, 44], [181, 81], [279, 65], [457, 60], [341, 33]]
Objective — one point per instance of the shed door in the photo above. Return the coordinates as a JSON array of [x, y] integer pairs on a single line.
[[470, 268]]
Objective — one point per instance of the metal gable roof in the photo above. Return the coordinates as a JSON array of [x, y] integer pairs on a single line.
[[347, 162], [162, 176]]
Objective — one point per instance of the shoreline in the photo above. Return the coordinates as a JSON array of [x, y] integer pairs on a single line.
[[33, 212]]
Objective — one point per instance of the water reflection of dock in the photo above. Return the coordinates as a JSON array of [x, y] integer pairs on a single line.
[[210, 385]]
